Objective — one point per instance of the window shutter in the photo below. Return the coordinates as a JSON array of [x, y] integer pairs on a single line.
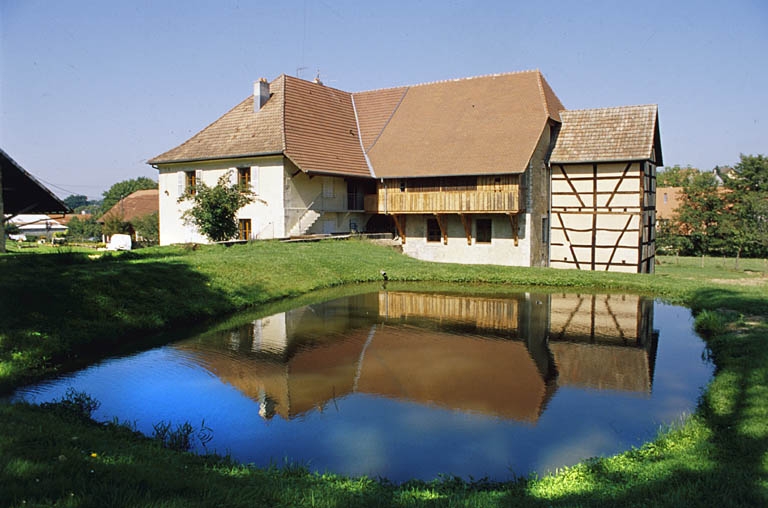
[[255, 179], [233, 176], [328, 187], [182, 180], [198, 176]]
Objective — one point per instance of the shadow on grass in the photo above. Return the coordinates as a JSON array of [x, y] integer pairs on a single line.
[[68, 308]]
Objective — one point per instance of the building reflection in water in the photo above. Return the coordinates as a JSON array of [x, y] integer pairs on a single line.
[[503, 357]]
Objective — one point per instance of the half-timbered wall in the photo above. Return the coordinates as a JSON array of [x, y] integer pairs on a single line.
[[603, 216]]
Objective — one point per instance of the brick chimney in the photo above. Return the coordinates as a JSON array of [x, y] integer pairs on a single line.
[[260, 93]]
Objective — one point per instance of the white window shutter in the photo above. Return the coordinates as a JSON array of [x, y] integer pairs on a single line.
[[328, 187], [255, 179], [233, 176], [182, 180], [198, 176]]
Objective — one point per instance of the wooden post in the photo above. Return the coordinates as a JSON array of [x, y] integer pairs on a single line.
[[515, 226], [467, 227], [400, 228], [443, 227]]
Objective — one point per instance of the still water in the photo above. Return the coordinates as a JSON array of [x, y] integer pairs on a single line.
[[402, 385]]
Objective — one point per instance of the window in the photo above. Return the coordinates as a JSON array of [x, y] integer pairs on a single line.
[[243, 178], [483, 230], [244, 229], [433, 231], [665, 198], [190, 181]]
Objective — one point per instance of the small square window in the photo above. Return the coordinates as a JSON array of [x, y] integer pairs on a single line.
[[483, 230], [433, 231]]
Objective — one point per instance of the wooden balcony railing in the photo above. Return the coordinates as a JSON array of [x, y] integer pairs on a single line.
[[394, 201], [485, 194]]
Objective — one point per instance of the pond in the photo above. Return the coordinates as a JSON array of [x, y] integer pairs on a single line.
[[402, 384]]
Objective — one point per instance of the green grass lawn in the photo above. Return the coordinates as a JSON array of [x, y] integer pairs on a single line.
[[64, 310]]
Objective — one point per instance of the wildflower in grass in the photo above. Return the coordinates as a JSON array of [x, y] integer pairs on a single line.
[[94, 455]]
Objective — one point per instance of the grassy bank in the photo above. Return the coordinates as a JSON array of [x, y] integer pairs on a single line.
[[65, 309]]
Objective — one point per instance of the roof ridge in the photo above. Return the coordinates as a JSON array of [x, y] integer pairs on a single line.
[[315, 84], [189, 140], [611, 107], [453, 80], [391, 116], [283, 142], [360, 137], [544, 86]]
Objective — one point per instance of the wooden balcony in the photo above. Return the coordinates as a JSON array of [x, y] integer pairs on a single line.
[[448, 202], [486, 194]]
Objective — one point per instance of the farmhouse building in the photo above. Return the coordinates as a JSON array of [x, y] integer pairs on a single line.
[[475, 170], [133, 207]]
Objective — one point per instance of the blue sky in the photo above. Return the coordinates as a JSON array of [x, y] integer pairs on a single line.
[[89, 90]]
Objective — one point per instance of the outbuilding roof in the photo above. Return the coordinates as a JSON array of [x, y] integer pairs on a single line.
[[137, 204], [22, 193], [625, 133]]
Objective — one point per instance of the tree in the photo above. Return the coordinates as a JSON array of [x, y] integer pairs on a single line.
[[148, 227], [747, 205], [76, 200], [214, 209], [701, 213], [675, 176], [115, 225], [83, 228], [122, 189]]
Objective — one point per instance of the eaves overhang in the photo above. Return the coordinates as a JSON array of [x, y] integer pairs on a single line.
[[156, 163]]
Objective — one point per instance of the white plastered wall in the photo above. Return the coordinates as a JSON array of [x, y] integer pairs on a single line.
[[500, 251], [266, 211]]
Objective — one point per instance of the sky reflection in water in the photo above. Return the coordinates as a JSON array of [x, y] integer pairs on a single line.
[[411, 385]]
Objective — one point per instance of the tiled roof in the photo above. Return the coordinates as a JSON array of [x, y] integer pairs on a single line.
[[65, 219], [321, 133], [374, 110], [482, 125], [136, 204], [608, 134], [239, 132]]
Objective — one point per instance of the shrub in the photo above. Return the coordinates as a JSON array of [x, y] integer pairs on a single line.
[[74, 403], [709, 323]]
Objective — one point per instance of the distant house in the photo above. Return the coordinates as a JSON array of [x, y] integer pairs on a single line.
[[65, 219], [490, 169], [668, 199], [22, 194], [36, 225], [134, 206]]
